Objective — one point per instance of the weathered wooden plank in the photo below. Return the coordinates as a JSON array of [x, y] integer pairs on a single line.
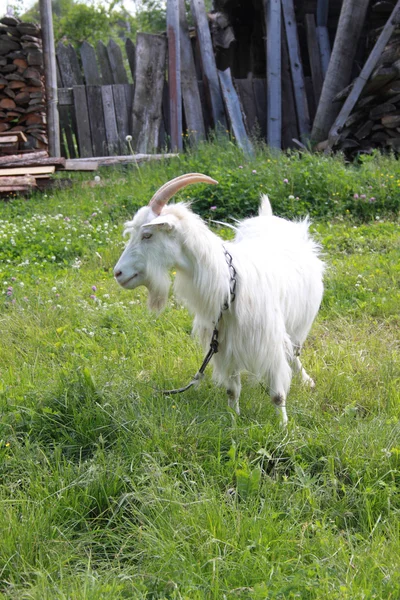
[[303, 118], [82, 120], [68, 66], [65, 97], [122, 113], [190, 88], [210, 74], [90, 164], [324, 47], [116, 62], [131, 54], [314, 56], [89, 64], [96, 119], [322, 13], [246, 94], [59, 161], [150, 71], [112, 139], [274, 82], [47, 169], [260, 94], [363, 77], [234, 110], [174, 74], [19, 180], [104, 62], [289, 118]]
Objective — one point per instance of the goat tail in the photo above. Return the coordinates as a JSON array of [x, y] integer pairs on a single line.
[[265, 209]]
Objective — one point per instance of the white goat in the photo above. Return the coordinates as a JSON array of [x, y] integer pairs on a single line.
[[278, 292]]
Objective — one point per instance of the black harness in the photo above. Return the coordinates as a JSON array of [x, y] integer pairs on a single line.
[[214, 338]]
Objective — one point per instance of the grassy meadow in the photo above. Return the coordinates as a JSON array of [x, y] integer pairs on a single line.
[[109, 490]]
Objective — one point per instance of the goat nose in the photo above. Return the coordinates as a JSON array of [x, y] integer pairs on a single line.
[[117, 274]]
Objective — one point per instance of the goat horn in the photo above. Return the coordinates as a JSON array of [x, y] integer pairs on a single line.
[[161, 197]]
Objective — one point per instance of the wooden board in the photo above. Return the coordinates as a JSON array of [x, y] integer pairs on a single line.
[[89, 64], [104, 62], [147, 101], [299, 87], [122, 112], [112, 139], [47, 170], [246, 94], [274, 80], [82, 120], [116, 62], [131, 54], [174, 74], [96, 119], [68, 64], [289, 119], [19, 180], [314, 56]]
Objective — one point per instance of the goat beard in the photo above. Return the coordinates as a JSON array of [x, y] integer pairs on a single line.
[[158, 293]]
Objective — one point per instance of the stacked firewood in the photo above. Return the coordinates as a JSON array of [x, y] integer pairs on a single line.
[[375, 120], [22, 89]]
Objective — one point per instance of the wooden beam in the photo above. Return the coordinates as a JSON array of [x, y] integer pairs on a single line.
[[82, 119], [174, 74], [210, 74], [361, 80], [274, 73], [49, 55], [91, 164], [296, 66], [234, 110]]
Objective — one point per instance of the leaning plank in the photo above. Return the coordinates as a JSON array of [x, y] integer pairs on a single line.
[[89, 164], [289, 119], [363, 77], [234, 110], [150, 71], [27, 170], [96, 119], [272, 10], [174, 74], [210, 74], [19, 180], [116, 62], [89, 64], [113, 142], [82, 120], [190, 88], [104, 62], [299, 86]]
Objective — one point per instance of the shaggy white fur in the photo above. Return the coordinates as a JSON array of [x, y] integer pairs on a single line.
[[279, 289]]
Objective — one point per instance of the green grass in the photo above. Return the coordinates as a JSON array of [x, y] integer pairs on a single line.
[[109, 490]]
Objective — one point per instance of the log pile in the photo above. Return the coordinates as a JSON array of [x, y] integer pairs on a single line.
[[22, 89], [375, 119]]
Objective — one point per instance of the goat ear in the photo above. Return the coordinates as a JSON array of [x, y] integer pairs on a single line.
[[160, 224]]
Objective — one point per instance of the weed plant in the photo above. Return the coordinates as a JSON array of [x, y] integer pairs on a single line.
[[109, 490]]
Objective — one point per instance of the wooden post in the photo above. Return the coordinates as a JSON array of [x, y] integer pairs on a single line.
[[274, 79], [234, 111], [322, 34], [174, 74], [53, 127]]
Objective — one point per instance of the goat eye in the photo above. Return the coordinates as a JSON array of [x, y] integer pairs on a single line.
[[146, 236]]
